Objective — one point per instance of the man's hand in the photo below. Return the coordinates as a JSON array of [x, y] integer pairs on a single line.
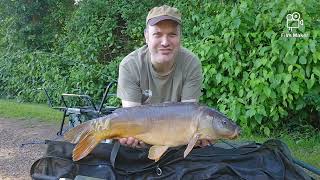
[[203, 143], [135, 143], [132, 142]]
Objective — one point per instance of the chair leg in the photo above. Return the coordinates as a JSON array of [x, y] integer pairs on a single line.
[[62, 123]]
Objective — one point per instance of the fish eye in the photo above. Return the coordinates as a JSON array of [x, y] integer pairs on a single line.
[[224, 122]]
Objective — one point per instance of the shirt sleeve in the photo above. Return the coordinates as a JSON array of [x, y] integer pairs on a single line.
[[193, 82], [128, 88]]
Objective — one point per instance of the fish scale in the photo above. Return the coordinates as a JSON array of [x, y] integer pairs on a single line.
[[161, 125]]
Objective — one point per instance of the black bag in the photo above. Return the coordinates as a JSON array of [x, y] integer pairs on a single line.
[[270, 160]]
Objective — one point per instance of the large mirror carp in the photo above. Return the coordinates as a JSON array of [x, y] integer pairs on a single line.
[[160, 125]]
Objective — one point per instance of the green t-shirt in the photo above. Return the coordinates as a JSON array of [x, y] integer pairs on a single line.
[[138, 80]]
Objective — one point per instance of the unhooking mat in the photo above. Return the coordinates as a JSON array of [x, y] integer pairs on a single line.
[[270, 160]]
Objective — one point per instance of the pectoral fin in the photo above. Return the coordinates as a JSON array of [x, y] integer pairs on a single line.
[[155, 152], [191, 144]]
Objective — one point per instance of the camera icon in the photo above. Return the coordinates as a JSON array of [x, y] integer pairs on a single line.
[[293, 21]]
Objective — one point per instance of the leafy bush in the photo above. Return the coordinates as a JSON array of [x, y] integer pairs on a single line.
[[35, 24], [97, 36], [253, 71], [94, 36], [23, 72]]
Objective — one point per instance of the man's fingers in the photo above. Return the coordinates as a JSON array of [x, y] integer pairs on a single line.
[[206, 142], [203, 142], [142, 144], [130, 141], [135, 143], [123, 141]]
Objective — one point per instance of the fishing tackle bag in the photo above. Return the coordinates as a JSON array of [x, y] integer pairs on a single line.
[[250, 160]]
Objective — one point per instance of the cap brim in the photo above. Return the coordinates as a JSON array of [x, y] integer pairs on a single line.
[[155, 20]]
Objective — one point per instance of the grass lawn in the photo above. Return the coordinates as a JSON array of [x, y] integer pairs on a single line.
[[11, 109], [303, 147]]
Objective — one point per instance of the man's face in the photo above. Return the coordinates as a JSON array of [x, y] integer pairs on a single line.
[[163, 40]]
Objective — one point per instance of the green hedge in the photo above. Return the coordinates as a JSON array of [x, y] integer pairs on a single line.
[[252, 70]]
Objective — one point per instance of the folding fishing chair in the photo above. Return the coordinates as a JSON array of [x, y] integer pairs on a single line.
[[78, 114]]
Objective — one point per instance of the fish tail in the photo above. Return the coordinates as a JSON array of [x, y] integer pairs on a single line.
[[86, 145], [75, 134], [88, 135]]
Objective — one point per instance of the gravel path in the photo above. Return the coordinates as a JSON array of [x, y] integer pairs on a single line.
[[15, 161]]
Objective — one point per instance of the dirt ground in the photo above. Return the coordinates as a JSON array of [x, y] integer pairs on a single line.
[[15, 159]]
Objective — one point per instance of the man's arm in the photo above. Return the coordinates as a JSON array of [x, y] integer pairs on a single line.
[[191, 90], [130, 141], [132, 104], [129, 103], [190, 100], [128, 89]]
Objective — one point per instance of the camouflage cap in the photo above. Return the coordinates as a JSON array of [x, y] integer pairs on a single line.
[[161, 13]]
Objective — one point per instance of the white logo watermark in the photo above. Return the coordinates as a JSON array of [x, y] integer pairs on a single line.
[[294, 21]]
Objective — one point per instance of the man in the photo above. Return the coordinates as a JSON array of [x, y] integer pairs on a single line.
[[162, 70]]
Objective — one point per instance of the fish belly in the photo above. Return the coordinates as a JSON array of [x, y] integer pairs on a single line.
[[168, 133], [165, 124]]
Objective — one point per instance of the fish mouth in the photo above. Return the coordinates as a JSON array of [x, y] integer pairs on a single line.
[[236, 133]]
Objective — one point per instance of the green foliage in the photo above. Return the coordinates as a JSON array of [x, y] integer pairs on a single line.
[[96, 38], [34, 24], [90, 31], [86, 46], [99, 34], [312, 100], [23, 72], [253, 70]]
